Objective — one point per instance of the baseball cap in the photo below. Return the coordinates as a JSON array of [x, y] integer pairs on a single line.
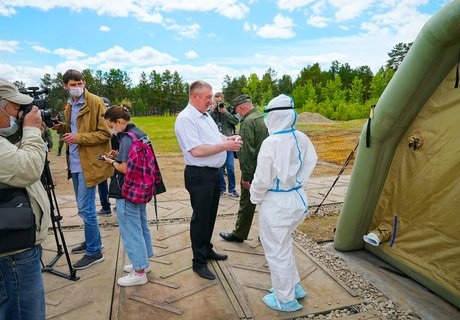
[[9, 92], [241, 99]]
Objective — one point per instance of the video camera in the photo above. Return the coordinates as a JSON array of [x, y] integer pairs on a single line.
[[45, 112]]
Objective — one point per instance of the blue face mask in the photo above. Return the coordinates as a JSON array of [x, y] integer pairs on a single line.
[[6, 132]]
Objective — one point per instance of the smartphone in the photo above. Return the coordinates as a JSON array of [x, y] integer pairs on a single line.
[[101, 158]]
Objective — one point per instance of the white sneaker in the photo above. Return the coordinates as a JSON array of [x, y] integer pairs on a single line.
[[129, 268], [133, 279]]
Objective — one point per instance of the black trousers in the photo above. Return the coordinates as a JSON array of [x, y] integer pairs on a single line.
[[203, 185]]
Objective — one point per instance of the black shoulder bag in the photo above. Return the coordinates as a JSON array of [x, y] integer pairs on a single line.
[[17, 220]]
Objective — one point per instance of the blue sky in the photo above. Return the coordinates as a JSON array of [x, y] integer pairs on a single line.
[[202, 39]]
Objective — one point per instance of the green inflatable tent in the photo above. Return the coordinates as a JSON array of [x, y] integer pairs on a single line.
[[404, 191]]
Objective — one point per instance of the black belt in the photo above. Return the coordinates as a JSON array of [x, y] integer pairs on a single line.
[[201, 168]]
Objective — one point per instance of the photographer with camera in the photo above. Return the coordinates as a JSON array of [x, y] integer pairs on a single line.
[[226, 123], [21, 190]]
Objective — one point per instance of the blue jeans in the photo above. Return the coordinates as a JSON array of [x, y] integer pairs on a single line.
[[229, 163], [135, 232], [86, 203], [103, 190], [21, 286]]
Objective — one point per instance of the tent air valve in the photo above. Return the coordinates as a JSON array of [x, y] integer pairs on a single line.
[[416, 140], [377, 236]]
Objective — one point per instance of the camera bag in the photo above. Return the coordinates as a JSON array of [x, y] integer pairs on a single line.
[[17, 220]]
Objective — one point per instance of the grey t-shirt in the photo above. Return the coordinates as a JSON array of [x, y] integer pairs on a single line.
[[126, 142]]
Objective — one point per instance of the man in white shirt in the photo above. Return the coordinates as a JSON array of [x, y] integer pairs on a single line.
[[204, 149]]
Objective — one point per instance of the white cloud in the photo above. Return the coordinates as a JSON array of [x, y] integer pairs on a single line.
[[249, 27], [29, 75], [9, 46], [145, 15], [69, 54], [318, 7], [146, 11], [190, 31], [41, 49], [6, 10], [348, 10], [323, 59], [281, 28], [235, 11], [403, 20], [71, 64], [191, 54], [293, 4], [317, 21], [118, 57]]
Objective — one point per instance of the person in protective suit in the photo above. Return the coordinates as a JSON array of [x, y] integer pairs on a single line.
[[285, 161]]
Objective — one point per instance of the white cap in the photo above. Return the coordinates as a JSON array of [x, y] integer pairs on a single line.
[[9, 92]]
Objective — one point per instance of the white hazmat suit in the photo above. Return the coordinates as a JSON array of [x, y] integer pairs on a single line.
[[285, 161]]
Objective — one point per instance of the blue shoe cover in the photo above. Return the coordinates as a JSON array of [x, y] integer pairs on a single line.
[[300, 293], [273, 303]]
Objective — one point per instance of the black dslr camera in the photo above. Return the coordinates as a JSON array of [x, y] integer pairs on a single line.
[[35, 93], [221, 105]]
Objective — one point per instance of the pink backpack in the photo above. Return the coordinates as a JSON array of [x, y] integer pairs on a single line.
[[141, 172]]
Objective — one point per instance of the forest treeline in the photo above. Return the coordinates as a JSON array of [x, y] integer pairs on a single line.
[[339, 93]]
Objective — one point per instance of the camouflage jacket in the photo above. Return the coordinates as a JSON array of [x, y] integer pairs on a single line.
[[253, 131]]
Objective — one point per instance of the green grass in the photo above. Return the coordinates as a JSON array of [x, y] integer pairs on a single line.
[[160, 131], [314, 128]]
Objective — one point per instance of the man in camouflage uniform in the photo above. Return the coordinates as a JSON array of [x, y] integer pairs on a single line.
[[252, 131]]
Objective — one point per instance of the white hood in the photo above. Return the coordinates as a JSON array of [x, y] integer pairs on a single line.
[[280, 119]]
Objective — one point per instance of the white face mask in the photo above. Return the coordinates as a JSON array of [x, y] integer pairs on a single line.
[[76, 92], [6, 132]]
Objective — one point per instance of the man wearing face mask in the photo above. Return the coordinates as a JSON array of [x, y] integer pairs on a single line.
[[21, 166], [87, 136]]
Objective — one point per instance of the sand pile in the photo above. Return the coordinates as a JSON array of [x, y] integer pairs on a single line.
[[309, 117]]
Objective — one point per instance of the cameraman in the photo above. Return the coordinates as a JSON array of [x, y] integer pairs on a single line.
[[22, 294], [226, 123]]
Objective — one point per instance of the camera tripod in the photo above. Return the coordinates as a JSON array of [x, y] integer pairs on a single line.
[[61, 247]]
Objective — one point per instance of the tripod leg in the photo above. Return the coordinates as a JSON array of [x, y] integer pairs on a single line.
[[61, 247]]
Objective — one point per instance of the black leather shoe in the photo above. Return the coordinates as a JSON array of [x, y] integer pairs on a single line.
[[204, 272], [217, 256], [230, 237]]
